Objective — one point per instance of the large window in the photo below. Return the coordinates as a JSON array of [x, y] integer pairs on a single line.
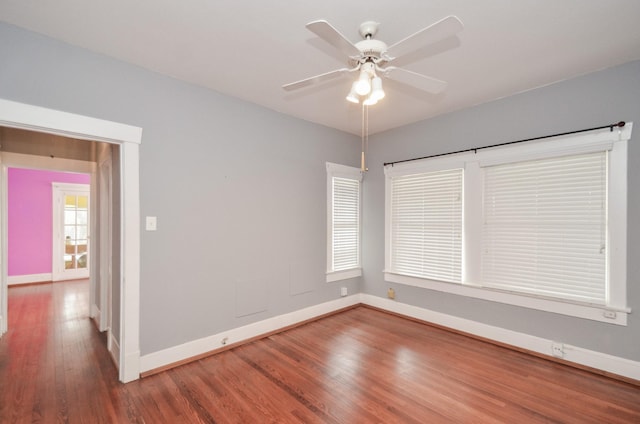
[[343, 222], [540, 224]]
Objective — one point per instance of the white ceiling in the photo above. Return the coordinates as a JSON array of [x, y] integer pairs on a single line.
[[249, 48]]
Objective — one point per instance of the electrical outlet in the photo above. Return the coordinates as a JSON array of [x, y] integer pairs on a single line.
[[343, 291], [391, 293], [557, 349]]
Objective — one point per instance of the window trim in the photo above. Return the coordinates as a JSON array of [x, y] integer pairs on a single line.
[[615, 142], [342, 171]]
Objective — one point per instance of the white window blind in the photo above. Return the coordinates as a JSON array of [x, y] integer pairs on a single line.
[[426, 225], [346, 224], [544, 227]]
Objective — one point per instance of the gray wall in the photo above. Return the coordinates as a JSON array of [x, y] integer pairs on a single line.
[[239, 190], [592, 100]]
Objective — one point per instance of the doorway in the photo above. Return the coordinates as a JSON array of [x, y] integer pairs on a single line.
[[126, 138], [71, 231]]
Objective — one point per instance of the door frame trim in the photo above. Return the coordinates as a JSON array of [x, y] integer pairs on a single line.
[[36, 118], [104, 218]]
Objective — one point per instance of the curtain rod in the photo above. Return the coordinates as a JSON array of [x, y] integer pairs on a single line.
[[475, 149]]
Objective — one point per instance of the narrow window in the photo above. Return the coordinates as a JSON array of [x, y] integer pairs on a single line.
[[343, 218]]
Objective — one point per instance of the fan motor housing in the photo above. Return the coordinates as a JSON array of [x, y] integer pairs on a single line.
[[370, 49]]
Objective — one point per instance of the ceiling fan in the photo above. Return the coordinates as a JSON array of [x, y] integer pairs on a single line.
[[371, 58]]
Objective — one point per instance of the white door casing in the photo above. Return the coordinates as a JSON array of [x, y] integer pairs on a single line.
[[105, 222], [35, 118]]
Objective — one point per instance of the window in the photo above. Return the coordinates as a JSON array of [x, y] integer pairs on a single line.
[[539, 224], [426, 232], [343, 222], [544, 229]]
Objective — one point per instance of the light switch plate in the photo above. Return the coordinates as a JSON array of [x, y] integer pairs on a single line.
[[152, 223]]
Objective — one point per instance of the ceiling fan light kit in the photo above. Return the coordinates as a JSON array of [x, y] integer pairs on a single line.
[[370, 57], [353, 96], [363, 86], [377, 93], [368, 84]]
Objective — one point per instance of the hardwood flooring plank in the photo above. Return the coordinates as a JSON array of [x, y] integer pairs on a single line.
[[401, 392], [344, 379], [358, 366], [234, 381]]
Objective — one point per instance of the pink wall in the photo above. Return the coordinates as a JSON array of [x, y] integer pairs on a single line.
[[30, 218]]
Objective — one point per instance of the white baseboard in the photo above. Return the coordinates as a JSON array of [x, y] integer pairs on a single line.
[[27, 279], [585, 357], [114, 348], [194, 348], [601, 361], [130, 367], [95, 314]]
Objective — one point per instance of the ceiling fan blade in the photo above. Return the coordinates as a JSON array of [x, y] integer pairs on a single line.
[[328, 33], [414, 79], [315, 79], [440, 30]]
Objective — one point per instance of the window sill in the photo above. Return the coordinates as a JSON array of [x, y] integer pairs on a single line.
[[607, 314], [343, 275]]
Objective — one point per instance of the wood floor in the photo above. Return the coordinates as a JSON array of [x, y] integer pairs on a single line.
[[359, 366]]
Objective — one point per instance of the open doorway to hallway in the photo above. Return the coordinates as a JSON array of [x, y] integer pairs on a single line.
[[123, 141], [78, 224]]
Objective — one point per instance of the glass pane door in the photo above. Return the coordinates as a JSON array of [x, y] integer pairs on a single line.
[[71, 231], [76, 231]]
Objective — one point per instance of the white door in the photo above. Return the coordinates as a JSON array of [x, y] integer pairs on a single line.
[[71, 204]]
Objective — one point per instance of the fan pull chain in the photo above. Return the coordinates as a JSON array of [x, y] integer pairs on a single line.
[[362, 164], [365, 137]]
